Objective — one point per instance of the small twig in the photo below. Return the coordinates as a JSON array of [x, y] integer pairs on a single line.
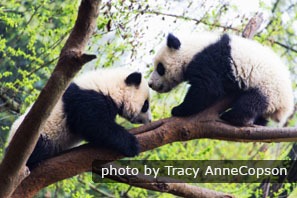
[[16, 40], [125, 194], [188, 18], [9, 101], [284, 46]]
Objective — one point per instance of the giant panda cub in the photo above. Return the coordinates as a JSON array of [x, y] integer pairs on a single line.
[[218, 65], [87, 111]]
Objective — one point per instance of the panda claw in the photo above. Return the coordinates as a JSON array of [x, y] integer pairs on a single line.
[[176, 111]]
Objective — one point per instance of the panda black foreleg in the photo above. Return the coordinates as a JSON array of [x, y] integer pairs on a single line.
[[126, 143], [248, 109], [197, 99], [114, 137]]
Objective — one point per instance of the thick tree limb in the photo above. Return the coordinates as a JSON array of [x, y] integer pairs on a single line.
[[70, 62], [203, 125]]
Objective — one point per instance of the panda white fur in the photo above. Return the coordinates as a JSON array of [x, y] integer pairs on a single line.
[[219, 65], [87, 111]]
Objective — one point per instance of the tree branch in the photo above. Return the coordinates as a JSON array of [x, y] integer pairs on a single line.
[[9, 101], [179, 189], [188, 18], [284, 46], [203, 125], [70, 62]]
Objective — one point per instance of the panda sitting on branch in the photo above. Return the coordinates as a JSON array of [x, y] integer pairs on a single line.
[[220, 65]]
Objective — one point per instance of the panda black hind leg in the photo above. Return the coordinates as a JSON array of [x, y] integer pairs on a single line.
[[248, 109], [261, 121], [43, 150]]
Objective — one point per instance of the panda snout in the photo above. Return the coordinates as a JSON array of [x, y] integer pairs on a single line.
[[155, 87], [158, 89]]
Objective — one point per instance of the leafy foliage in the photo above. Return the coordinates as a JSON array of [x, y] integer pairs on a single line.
[[31, 37]]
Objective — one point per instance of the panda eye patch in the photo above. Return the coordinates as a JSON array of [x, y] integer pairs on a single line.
[[160, 69], [145, 106]]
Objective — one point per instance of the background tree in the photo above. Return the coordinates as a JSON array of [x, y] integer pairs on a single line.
[[32, 35]]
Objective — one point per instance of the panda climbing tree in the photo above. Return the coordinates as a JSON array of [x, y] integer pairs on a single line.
[[87, 111], [216, 66]]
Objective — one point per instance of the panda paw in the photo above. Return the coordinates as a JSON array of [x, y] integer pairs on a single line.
[[236, 119], [132, 147], [178, 112]]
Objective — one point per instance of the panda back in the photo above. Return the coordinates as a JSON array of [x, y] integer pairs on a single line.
[[257, 66]]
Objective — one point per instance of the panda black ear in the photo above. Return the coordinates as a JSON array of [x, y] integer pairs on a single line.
[[173, 42], [133, 79]]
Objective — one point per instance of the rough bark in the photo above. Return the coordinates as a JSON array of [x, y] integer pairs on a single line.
[[70, 62]]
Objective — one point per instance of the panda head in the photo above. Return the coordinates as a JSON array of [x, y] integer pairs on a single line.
[[135, 105], [128, 90], [169, 65]]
